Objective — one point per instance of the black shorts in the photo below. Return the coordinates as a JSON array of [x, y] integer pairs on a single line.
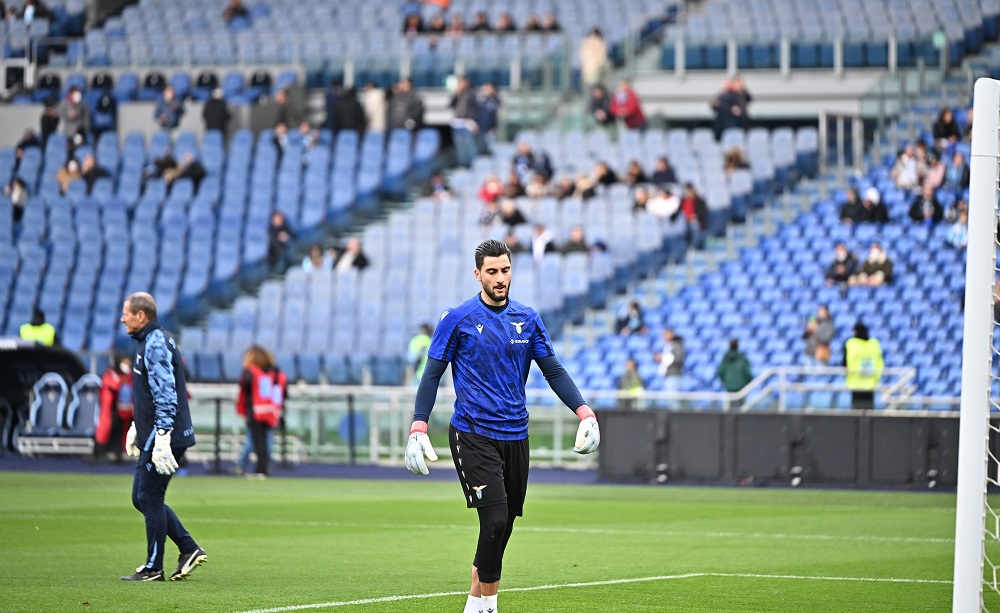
[[490, 471]]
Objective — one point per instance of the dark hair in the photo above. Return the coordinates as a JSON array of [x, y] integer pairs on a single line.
[[490, 248], [861, 331], [734, 344], [141, 301]]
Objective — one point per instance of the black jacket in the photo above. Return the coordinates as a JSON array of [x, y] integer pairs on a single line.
[[159, 389]]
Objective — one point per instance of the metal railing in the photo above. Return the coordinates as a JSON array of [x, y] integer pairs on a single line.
[[369, 425]]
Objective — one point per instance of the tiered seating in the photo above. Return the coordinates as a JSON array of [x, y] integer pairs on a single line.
[[18, 37], [77, 255], [864, 26], [324, 36], [341, 323]]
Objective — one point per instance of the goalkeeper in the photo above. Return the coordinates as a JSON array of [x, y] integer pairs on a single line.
[[158, 437], [490, 342]]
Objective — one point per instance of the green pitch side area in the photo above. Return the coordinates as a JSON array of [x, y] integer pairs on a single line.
[[364, 546]]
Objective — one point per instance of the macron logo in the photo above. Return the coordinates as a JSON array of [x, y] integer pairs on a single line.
[[480, 328], [517, 325], [443, 315]]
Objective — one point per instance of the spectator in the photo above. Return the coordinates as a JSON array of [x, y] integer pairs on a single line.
[[843, 267], [348, 113], [925, 208], [233, 10], [956, 175], [626, 106], [527, 161], [734, 159], [851, 210], [280, 138], [635, 174], [631, 385], [75, 117], [951, 215], [91, 172], [603, 175], [907, 173], [330, 98], [945, 132], [373, 101], [279, 239], [286, 111], [413, 24], [600, 106], [565, 188], [640, 199], [481, 23], [456, 27], [437, 25], [39, 330], [506, 23], [630, 321], [533, 24], [488, 116], [537, 187], [261, 402], [730, 106], [216, 114], [734, 369], [663, 172], [406, 108], [671, 358], [169, 109], [876, 270], [17, 191], [308, 137], [437, 188], [351, 256], [577, 242], [29, 140], [819, 334], [664, 205], [510, 215], [416, 351], [513, 188], [49, 120], [67, 174], [316, 260], [935, 171], [958, 234], [550, 23], [542, 242], [514, 243], [189, 168], [593, 58], [116, 409], [873, 210], [695, 211], [585, 187], [464, 129], [35, 9], [864, 362], [491, 190]]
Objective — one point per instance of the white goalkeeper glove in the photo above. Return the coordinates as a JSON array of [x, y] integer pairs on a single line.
[[588, 435], [131, 450], [163, 456], [417, 446]]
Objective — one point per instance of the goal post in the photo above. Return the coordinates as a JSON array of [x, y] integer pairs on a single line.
[[972, 505]]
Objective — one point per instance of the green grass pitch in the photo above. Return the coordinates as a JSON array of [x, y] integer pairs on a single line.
[[365, 546]]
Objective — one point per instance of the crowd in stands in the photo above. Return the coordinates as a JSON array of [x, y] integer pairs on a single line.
[[454, 24]]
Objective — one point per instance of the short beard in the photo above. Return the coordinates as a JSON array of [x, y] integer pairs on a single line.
[[489, 292]]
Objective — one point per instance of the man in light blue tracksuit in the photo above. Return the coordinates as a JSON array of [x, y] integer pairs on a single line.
[[159, 435]]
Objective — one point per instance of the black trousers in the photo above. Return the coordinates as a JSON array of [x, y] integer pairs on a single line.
[[258, 434]]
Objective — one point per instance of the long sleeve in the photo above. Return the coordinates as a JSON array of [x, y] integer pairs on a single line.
[[162, 384], [560, 382], [427, 391]]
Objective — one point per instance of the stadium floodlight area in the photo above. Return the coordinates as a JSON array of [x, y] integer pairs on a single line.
[[977, 523]]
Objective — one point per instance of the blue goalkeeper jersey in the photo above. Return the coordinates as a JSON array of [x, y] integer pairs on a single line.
[[490, 355]]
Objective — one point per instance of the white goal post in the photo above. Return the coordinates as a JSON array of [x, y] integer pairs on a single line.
[[974, 460]]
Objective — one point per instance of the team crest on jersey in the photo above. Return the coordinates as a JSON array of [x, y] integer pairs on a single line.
[[517, 325], [479, 490]]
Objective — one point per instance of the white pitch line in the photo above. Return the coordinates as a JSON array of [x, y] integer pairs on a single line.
[[538, 529], [347, 603]]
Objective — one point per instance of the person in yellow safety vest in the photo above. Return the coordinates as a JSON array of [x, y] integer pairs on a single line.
[[39, 331], [416, 352], [863, 359]]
